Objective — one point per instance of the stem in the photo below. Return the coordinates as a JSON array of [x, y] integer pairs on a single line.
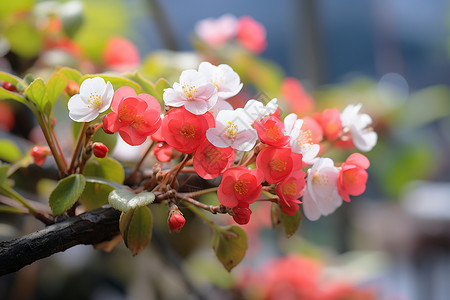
[[59, 149], [77, 147], [139, 164], [200, 192], [194, 209], [180, 166], [249, 159], [274, 200], [211, 208], [9, 192]]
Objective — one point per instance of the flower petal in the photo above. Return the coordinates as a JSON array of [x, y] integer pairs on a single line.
[[96, 85]]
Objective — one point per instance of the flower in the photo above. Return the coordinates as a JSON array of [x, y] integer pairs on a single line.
[[271, 131], [251, 34], [232, 129], [358, 125], [176, 220], [220, 105], [242, 213], [135, 117], [94, 98], [289, 190], [223, 77], [254, 110], [330, 121], [321, 196], [194, 91], [300, 139], [120, 54], [240, 186], [39, 154], [299, 101], [277, 163], [99, 149], [163, 152], [185, 131], [216, 32], [210, 161], [352, 176]]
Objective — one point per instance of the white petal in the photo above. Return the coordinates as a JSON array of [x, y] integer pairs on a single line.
[[289, 121], [76, 103], [220, 105], [173, 98], [83, 117], [215, 136], [197, 107], [364, 140], [310, 154], [107, 97], [245, 140], [310, 208], [192, 77], [96, 85]]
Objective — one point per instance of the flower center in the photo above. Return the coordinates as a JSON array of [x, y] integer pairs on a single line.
[[278, 164], [189, 90], [320, 179], [127, 114], [304, 140], [217, 78], [290, 188], [241, 187], [213, 155], [231, 130], [273, 133], [188, 131], [95, 101]]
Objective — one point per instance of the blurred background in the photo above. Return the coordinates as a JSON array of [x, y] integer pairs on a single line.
[[392, 242]]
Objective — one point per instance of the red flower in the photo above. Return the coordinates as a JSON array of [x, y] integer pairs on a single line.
[[251, 34], [240, 186], [211, 161], [99, 150], [296, 96], [176, 220], [352, 176], [289, 190], [120, 54], [242, 214], [39, 154], [271, 131], [7, 120], [330, 121], [185, 131], [163, 152], [277, 163], [135, 117], [314, 128]]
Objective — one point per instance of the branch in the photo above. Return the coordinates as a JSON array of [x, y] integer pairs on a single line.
[[89, 228]]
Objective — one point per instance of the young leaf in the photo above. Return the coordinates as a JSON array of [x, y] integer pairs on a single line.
[[36, 93], [160, 86], [66, 193], [16, 81], [3, 172], [124, 200], [230, 245], [136, 228], [290, 224], [54, 87], [71, 74], [5, 94], [9, 151]]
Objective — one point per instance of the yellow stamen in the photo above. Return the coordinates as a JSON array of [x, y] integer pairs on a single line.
[[278, 164]]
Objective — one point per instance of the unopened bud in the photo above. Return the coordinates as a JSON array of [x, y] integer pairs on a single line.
[[72, 88], [241, 215], [9, 86], [100, 149], [176, 220], [39, 154]]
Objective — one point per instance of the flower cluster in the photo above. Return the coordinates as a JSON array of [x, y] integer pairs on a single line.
[[252, 147]]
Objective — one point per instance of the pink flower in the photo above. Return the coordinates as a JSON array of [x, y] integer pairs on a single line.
[[277, 163], [135, 117], [240, 186], [120, 54], [289, 190], [352, 176], [330, 121], [216, 32], [163, 152], [251, 34], [271, 131], [39, 154], [211, 161], [299, 101], [185, 131]]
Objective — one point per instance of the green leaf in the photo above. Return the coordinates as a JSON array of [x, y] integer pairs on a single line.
[[96, 192], [9, 151], [25, 39], [54, 87], [136, 228], [124, 200], [71, 74], [290, 224], [160, 86], [5, 95], [16, 81], [147, 86], [117, 81], [36, 93], [230, 245], [66, 193], [3, 172]]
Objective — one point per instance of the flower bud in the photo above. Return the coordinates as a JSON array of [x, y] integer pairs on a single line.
[[100, 149], [39, 154], [72, 88], [241, 215], [176, 220], [9, 86]]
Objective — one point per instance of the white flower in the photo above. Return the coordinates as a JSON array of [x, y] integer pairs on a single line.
[[254, 110], [300, 140], [220, 105], [321, 196], [194, 92], [216, 32], [363, 136], [94, 98], [232, 130], [223, 77]]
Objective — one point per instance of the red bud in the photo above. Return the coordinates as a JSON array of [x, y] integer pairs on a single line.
[[99, 149], [9, 86], [39, 154], [176, 220]]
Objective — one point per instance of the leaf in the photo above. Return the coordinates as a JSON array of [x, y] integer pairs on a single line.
[[290, 224], [5, 95], [3, 172], [124, 200], [136, 228], [71, 74], [54, 87], [147, 86], [117, 81], [16, 81], [36, 93], [66, 193], [160, 86], [96, 192], [25, 39], [9, 151], [230, 245]]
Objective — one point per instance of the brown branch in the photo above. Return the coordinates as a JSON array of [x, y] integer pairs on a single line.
[[89, 228]]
